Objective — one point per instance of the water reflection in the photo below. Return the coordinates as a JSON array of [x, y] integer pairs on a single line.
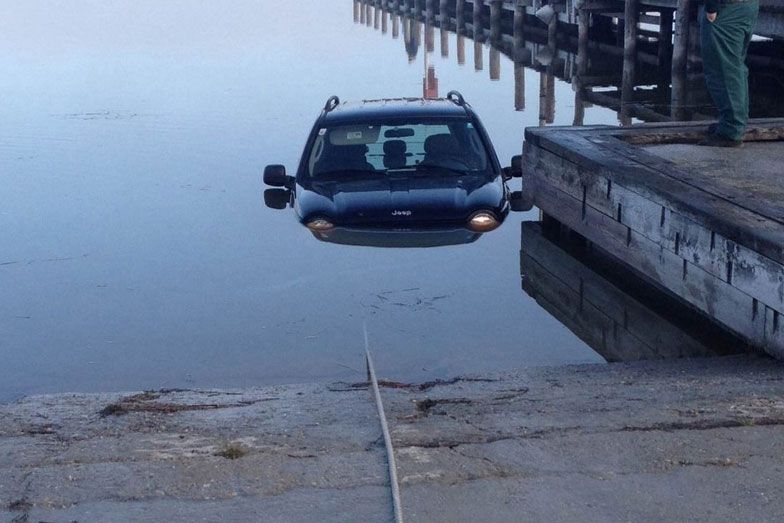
[[587, 49], [616, 314], [405, 239], [137, 253]]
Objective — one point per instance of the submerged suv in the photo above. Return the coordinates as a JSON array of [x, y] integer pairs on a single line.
[[398, 165]]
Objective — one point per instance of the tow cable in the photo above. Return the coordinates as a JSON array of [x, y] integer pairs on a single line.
[[371, 374]]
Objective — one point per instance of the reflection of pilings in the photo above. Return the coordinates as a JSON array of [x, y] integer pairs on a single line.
[[546, 98], [362, 13], [478, 56], [460, 49], [368, 15], [444, 42], [631, 15], [357, 7], [411, 37], [519, 75], [376, 17], [430, 10], [460, 16], [518, 32], [430, 37], [495, 64], [384, 27], [495, 21], [395, 26], [443, 11]]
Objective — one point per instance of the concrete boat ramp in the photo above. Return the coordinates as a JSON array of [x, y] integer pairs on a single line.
[[697, 439]]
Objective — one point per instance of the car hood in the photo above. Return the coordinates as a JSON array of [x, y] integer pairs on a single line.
[[400, 199]]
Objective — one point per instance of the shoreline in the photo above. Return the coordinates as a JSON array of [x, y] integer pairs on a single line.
[[583, 442]]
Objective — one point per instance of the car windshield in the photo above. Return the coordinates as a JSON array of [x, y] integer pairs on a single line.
[[429, 147]]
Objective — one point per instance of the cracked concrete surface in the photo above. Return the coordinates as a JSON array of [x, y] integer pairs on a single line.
[[687, 439]]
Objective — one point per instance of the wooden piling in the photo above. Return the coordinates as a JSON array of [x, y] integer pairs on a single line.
[[495, 64], [681, 42], [631, 17], [665, 36], [519, 93], [444, 43]]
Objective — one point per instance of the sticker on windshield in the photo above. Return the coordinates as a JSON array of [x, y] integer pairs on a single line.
[[322, 131], [354, 135]]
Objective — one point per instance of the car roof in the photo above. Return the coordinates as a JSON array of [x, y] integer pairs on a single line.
[[370, 110]]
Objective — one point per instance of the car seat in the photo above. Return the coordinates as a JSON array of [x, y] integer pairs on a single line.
[[441, 149], [394, 154], [348, 157]]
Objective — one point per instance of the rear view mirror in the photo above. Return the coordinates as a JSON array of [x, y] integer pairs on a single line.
[[399, 133], [277, 198], [275, 176]]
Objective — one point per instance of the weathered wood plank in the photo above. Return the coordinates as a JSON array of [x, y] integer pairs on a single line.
[[749, 271], [627, 329], [745, 227], [719, 300]]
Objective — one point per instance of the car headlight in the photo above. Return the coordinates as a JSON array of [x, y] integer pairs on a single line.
[[319, 225], [483, 221]]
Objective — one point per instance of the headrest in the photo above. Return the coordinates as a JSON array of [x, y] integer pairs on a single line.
[[440, 144], [350, 150], [395, 147]]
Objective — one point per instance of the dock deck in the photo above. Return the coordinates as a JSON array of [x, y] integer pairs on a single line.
[[704, 224]]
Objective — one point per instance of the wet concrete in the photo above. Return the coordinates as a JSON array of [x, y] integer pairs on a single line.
[[694, 438]]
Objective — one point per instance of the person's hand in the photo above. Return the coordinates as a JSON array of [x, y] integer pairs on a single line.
[[711, 17]]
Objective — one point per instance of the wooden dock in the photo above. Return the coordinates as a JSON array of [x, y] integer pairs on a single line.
[[704, 224]]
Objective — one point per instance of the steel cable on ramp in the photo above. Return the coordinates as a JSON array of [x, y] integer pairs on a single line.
[[371, 371]]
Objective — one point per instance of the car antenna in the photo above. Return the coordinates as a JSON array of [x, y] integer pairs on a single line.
[[456, 97], [332, 102]]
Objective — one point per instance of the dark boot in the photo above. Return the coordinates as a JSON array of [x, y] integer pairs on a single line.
[[717, 140]]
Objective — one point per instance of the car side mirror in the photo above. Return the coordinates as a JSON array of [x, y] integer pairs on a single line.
[[275, 176], [521, 201], [516, 169], [277, 198]]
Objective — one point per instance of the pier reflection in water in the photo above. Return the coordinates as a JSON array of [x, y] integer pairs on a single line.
[[656, 78], [618, 315]]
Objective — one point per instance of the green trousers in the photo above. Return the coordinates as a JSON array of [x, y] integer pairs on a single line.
[[724, 45]]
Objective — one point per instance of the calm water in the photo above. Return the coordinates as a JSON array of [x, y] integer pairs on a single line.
[[136, 251]]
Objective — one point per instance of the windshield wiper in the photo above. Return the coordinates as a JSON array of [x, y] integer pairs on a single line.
[[440, 168], [336, 173]]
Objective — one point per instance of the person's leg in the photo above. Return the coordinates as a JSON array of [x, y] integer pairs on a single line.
[[711, 62], [752, 10], [726, 74]]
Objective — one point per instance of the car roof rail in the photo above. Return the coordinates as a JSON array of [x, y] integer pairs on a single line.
[[456, 97], [332, 102]]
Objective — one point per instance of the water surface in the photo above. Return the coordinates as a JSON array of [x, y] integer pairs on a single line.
[[136, 251]]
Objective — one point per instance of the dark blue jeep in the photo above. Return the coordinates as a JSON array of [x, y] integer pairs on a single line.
[[397, 165]]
